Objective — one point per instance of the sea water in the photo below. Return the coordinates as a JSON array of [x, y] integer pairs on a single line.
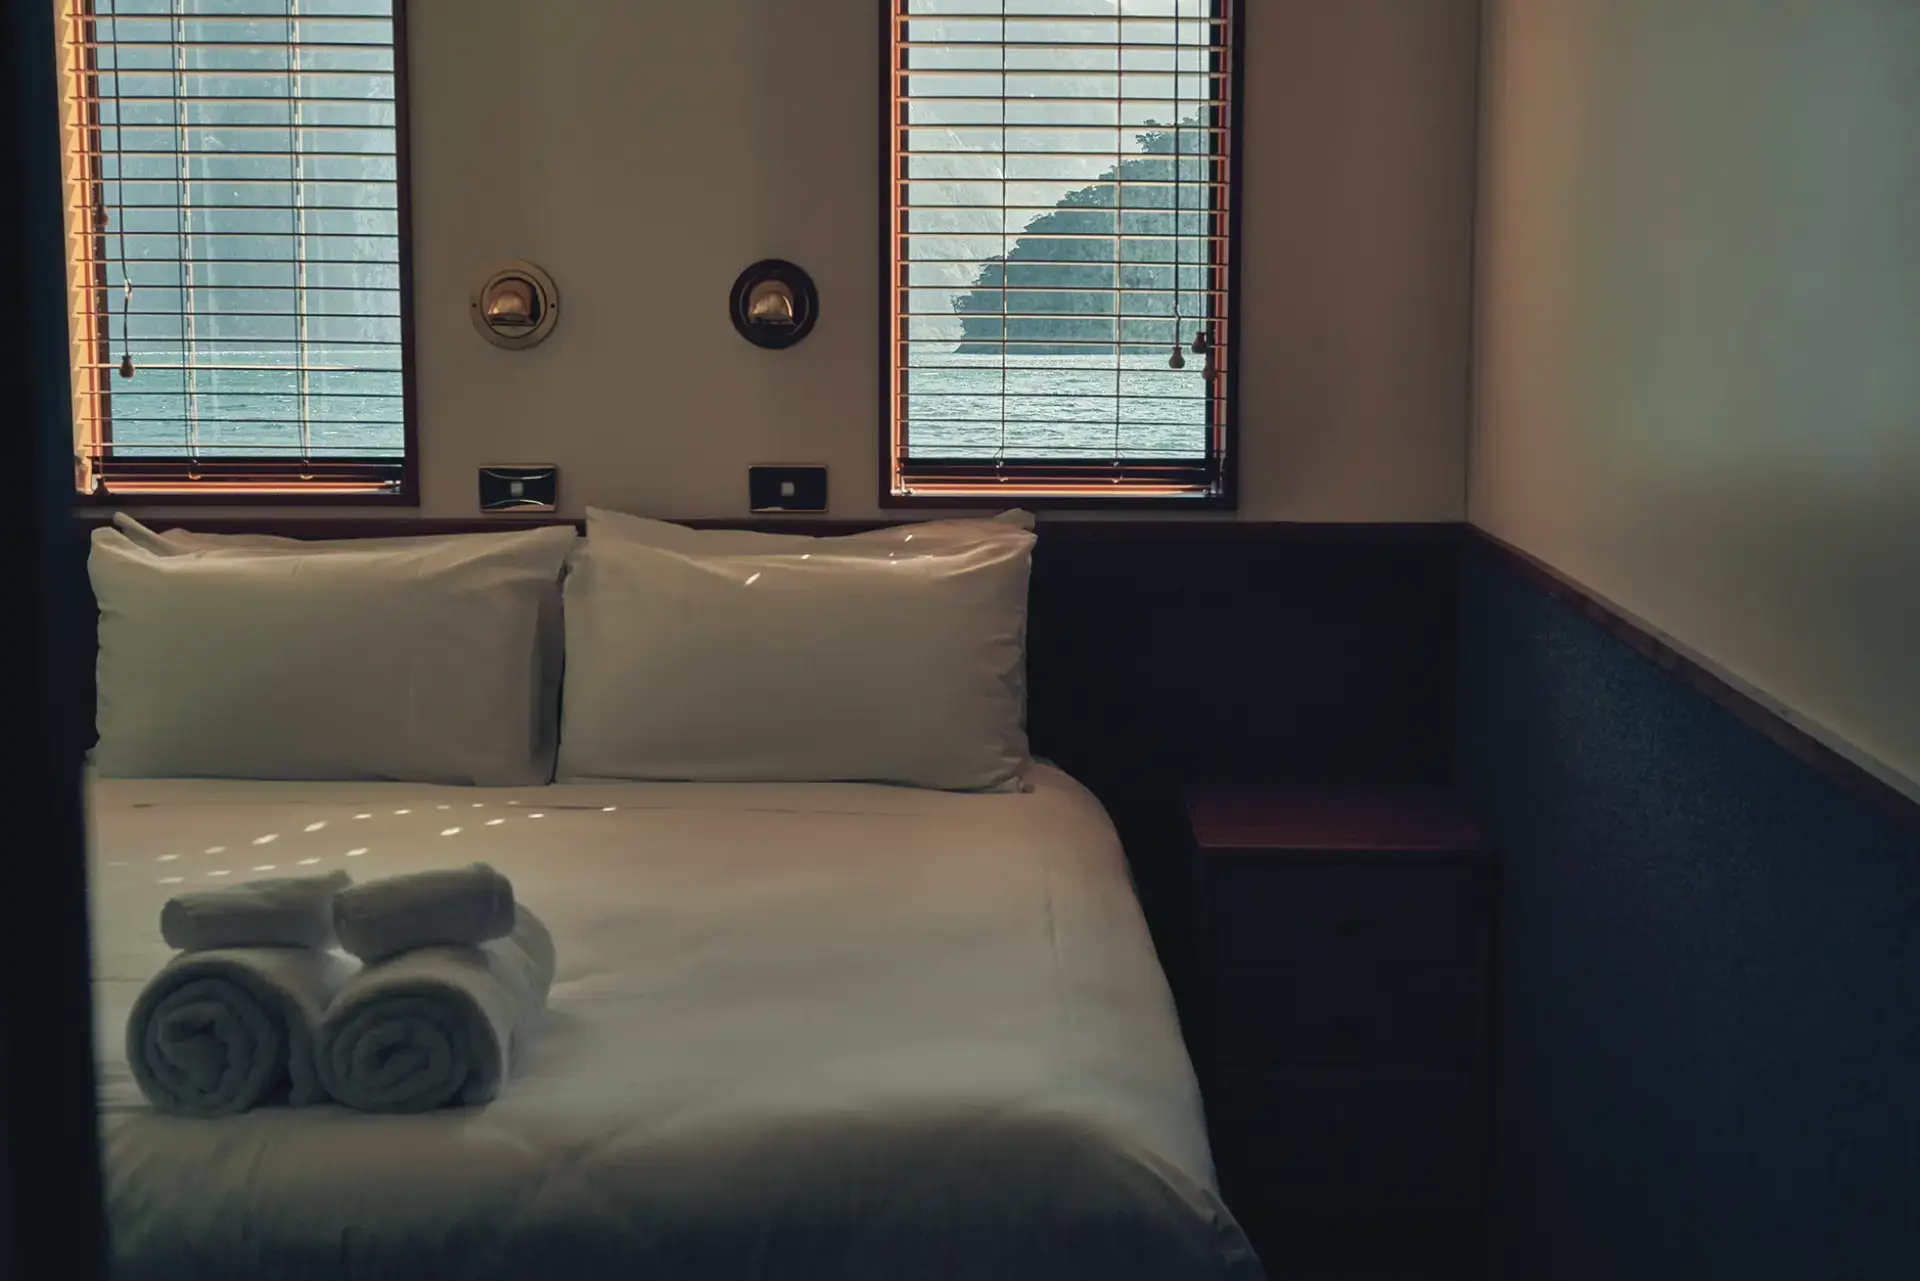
[[960, 405]]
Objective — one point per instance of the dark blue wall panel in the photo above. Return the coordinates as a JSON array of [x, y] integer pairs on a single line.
[[1709, 968]]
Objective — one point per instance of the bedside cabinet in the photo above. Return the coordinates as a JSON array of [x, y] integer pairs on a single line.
[[1341, 989]]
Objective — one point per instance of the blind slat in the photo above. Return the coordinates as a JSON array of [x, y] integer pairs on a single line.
[[316, 368], [384, 77], [282, 127], [234, 153], [305, 100], [108, 13], [317, 395], [345, 289], [238, 46]]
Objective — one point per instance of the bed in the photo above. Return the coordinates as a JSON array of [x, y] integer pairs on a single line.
[[797, 1030]]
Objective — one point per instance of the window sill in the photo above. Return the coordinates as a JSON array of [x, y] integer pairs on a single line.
[[262, 496], [1000, 501]]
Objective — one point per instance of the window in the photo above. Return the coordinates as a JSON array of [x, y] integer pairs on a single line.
[[1059, 250], [237, 247]]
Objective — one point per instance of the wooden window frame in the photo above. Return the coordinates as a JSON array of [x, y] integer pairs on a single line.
[[106, 481], [1058, 484]]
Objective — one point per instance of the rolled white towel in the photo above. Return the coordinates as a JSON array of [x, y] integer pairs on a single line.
[[220, 1032], [469, 906], [275, 911], [438, 1025]]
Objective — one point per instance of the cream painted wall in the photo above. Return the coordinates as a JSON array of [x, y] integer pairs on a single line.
[[1698, 349], [645, 151]]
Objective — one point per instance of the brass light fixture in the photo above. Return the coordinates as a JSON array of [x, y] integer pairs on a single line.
[[773, 303], [515, 305]]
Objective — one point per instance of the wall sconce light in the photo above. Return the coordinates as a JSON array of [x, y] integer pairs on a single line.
[[774, 304], [515, 305]]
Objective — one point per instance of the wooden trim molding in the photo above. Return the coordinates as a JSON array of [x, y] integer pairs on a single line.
[[1050, 530], [1765, 720]]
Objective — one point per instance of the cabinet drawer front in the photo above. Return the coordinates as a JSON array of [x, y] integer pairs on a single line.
[[1393, 1017], [1294, 915], [1333, 1145]]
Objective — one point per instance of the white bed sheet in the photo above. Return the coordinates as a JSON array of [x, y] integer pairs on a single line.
[[797, 1030]]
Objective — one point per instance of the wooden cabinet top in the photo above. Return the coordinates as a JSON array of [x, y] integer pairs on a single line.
[[1301, 819]]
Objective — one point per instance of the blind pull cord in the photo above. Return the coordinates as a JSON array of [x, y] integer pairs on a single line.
[[1178, 359], [1203, 336], [126, 300], [119, 189]]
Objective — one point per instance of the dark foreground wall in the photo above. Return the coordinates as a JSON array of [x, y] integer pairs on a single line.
[[1709, 1059]]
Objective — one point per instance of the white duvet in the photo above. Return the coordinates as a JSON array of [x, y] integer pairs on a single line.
[[797, 1030]]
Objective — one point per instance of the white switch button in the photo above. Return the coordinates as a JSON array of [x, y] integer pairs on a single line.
[[786, 489]]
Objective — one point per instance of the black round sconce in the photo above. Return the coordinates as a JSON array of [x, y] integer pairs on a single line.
[[774, 303]]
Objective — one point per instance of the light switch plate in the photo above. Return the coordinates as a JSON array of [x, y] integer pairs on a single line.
[[787, 487], [532, 488]]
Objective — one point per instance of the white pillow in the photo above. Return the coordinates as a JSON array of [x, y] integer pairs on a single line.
[[605, 524], [801, 665], [173, 542], [879, 544], [425, 659]]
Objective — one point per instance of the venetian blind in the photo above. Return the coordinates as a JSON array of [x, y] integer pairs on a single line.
[[1060, 245], [237, 262]]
